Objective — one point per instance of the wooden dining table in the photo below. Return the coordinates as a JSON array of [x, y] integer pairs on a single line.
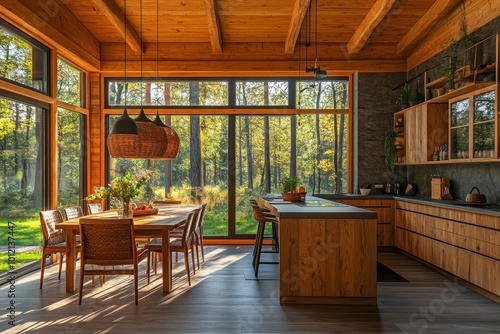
[[158, 225]]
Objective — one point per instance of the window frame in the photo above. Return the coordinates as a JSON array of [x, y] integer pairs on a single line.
[[32, 41]]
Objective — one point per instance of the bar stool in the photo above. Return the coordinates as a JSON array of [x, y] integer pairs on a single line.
[[263, 218]]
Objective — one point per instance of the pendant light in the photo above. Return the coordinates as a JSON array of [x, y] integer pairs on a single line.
[[152, 141], [123, 137], [173, 142]]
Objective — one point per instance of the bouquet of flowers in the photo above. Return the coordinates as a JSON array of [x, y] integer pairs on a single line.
[[125, 188]]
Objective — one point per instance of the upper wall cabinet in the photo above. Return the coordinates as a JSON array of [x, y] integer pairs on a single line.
[[472, 126], [466, 129]]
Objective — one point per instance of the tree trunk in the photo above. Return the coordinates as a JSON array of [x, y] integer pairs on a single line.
[[195, 146], [240, 152], [168, 163], [267, 144], [318, 141], [248, 142]]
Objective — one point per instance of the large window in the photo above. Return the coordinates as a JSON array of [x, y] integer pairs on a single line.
[[22, 59], [70, 158], [22, 155], [134, 92], [199, 174], [70, 84], [245, 155]]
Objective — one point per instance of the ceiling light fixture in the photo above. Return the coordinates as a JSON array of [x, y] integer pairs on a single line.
[[318, 72], [173, 141], [123, 137], [152, 141]]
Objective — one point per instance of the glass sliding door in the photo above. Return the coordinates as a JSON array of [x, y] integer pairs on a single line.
[[22, 155], [70, 158]]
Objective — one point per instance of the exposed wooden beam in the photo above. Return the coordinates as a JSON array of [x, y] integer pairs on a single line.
[[114, 14], [428, 21], [299, 12], [53, 24], [372, 19], [213, 26]]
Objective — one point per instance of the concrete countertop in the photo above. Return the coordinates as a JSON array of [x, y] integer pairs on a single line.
[[315, 207], [491, 209]]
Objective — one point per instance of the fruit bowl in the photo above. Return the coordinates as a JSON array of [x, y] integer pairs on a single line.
[[145, 212], [294, 197]]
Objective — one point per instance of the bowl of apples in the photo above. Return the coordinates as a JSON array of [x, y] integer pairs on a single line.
[[144, 210]]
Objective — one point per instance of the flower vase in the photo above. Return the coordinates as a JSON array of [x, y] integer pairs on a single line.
[[127, 211]]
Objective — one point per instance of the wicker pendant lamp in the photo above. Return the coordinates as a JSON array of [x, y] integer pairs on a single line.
[[123, 137], [173, 142], [122, 140], [152, 140]]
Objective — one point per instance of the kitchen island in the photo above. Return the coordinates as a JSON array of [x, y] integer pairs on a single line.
[[327, 252]]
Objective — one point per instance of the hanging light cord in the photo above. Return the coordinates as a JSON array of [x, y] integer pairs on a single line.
[[140, 50], [125, 49]]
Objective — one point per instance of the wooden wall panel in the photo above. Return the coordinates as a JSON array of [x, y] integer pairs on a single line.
[[96, 137]]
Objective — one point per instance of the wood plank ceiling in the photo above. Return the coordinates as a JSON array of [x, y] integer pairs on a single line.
[[259, 36]]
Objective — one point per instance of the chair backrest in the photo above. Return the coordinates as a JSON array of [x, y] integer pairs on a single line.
[[259, 215], [94, 208], [73, 212], [48, 221], [187, 233], [199, 219], [107, 241]]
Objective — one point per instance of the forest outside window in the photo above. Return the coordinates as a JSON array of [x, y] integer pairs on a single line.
[[70, 84], [179, 93], [23, 60]]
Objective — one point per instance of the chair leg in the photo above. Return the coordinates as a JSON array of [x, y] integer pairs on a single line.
[[136, 284], [60, 265], [201, 245], [197, 253], [192, 259], [259, 241], [148, 268], [80, 290], [186, 264], [42, 268]]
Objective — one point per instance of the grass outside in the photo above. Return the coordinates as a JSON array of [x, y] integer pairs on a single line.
[[22, 232]]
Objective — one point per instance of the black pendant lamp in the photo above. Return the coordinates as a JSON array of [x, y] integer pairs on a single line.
[[124, 132]]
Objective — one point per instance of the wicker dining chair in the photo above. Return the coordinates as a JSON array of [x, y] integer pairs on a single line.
[[110, 242], [54, 240], [183, 244], [197, 235], [73, 212], [93, 208]]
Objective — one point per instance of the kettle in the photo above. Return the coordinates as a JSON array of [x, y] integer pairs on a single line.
[[475, 198]]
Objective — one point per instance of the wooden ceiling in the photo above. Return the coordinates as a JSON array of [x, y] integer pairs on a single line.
[[256, 36]]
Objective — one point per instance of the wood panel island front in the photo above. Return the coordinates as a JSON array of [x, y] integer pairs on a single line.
[[327, 252]]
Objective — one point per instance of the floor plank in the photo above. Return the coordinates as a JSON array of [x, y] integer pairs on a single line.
[[221, 300]]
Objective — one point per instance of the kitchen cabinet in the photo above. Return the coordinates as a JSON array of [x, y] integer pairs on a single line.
[[426, 127], [467, 126], [385, 217], [462, 243], [472, 126]]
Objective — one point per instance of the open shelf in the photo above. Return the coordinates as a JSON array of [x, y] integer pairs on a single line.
[[460, 91]]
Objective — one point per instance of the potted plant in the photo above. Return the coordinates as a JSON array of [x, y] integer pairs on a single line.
[[390, 149], [124, 188], [289, 190], [404, 96], [416, 98]]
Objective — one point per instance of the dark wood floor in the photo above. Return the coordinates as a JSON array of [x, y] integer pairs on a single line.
[[225, 298]]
